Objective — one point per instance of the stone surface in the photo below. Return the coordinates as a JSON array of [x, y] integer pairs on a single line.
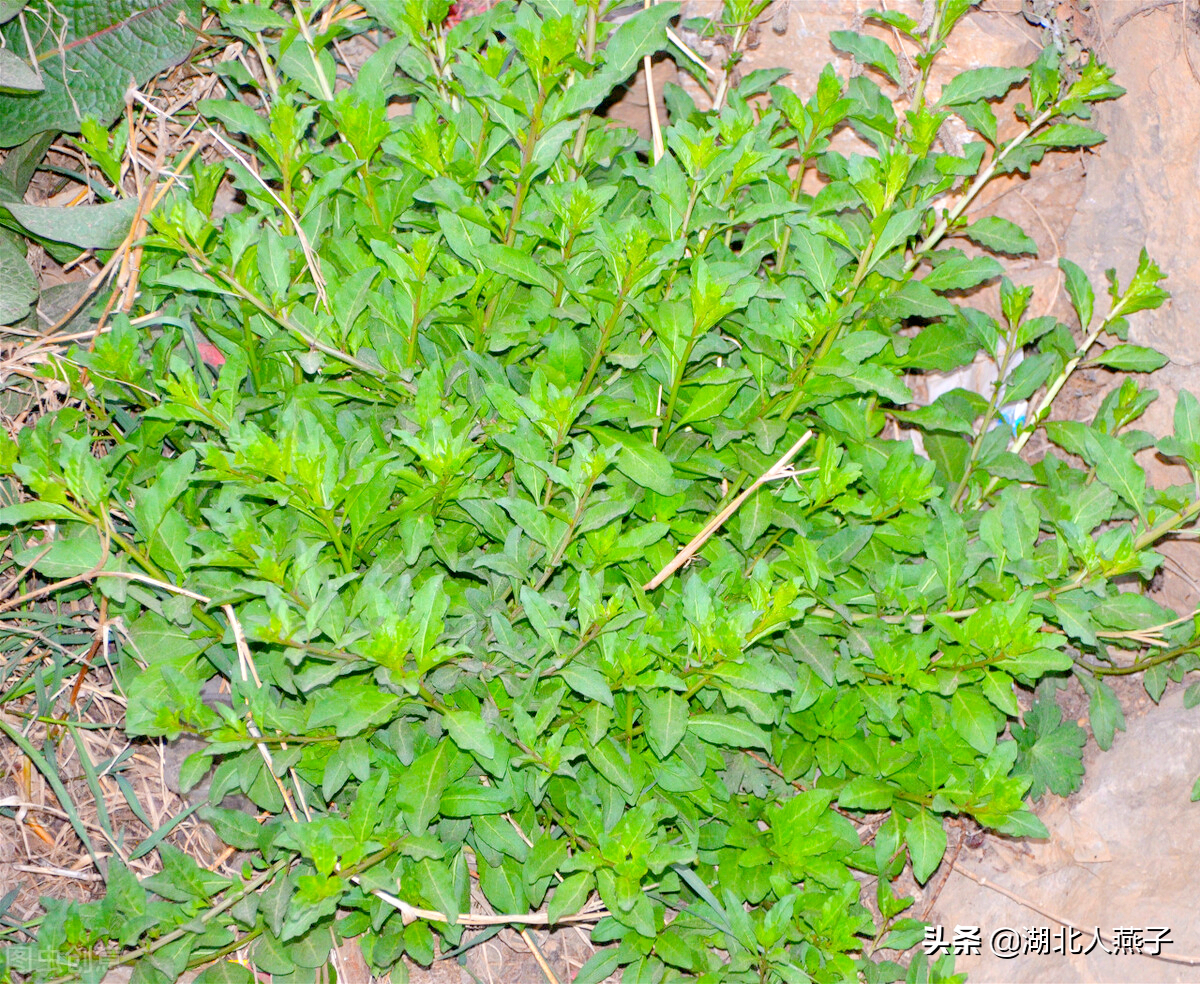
[[1121, 853]]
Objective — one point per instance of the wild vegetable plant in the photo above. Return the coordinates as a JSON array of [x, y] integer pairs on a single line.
[[545, 513]]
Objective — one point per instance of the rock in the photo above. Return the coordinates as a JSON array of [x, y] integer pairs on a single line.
[[1121, 854]]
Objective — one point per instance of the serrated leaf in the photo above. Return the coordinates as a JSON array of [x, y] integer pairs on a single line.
[[1050, 751], [914, 300], [962, 273], [87, 52], [1105, 714], [942, 346], [1000, 236], [980, 83], [980, 118], [868, 50]]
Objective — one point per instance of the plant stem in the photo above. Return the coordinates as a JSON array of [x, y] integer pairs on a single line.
[[988, 416], [598, 355]]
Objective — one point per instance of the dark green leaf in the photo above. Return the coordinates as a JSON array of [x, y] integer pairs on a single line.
[[868, 50], [1131, 358], [1000, 236], [87, 53], [726, 729], [980, 83]]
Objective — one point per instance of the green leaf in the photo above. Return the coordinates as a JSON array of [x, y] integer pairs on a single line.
[[10, 8], [947, 544], [587, 681], [942, 345], [570, 896], [1187, 417], [1105, 713], [980, 83], [469, 732], [421, 785], [926, 840], [18, 285], [640, 35], [512, 263], [546, 856], [87, 54], [600, 965], [86, 226], [1131, 358], [1000, 236], [868, 50], [816, 258], [16, 75], [980, 118], [962, 273], [1050, 751], [79, 552], [725, 729], [645, 464], [1116, 468], [503, 886], [1080, 290], [812, 650], [468, 799], [225, 972], [899, 227], [664, 721], [1068, 135], [914, 300], [975, 719], [866, 793], [33, 511]]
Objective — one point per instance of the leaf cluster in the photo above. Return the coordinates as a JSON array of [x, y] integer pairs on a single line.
[[485, 367]]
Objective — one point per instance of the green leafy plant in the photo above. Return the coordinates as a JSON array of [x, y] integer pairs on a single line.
[[538, 512]]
